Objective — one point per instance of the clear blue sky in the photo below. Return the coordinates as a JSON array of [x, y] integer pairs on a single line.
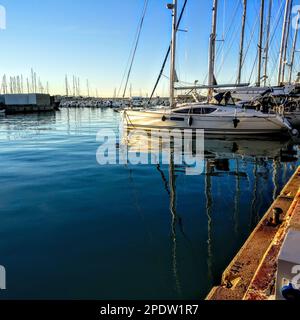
[[93, 38]]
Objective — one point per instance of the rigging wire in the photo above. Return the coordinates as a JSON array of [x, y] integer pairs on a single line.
[[128, 61], [250, 40], [275, 54], [231, 42], [136, 45]]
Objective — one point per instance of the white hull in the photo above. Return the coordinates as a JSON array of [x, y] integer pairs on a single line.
[[211, 124]]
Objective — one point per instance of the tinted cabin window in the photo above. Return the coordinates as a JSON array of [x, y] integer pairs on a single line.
[[195, 111], [208, 110], [183, 111], [203, 110]]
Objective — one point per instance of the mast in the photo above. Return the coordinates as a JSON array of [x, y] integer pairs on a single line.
[[88, 87], [283, 40], [260, 44], [212, 46], [28, 86], [294, 48], [67, 86], [286, 41], [242, 41], [173, 7], [267, 43]]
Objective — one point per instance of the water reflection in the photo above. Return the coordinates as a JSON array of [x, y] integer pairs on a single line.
[[15, 128], [125, 231], [254, 162], [72, 121]]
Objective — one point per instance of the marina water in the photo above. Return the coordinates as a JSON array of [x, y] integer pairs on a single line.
[[72, 229]]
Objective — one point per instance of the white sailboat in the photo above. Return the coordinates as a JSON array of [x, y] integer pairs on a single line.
[[226, 119], [211, 118]]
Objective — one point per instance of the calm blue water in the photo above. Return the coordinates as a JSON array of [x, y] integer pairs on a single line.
[[70, 228]]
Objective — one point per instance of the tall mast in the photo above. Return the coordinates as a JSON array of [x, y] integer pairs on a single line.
[[242, 41], [212, 45], [267, 42], [294, 48], [260, 44], [283, 40], [286, 42], [173, 7]]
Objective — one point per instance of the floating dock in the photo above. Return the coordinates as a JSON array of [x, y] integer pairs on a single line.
[[252, 273]]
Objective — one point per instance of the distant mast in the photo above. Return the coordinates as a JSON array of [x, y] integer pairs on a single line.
[[267, 43], [242, 41], [88, 87], [212, 47], [283, 40], [260, 42], [67, 86], [294, 48], [173, 7]]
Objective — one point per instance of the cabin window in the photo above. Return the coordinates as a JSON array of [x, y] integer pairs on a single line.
[[203, 110], [208, 110], [200, 110], [183, 111], [197, 111], [176, 119]]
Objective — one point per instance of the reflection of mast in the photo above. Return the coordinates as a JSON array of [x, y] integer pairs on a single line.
[[255, 187], [165, 181], [172, 182], [275, 179], [237, 198], [284, 173], [208, 196]]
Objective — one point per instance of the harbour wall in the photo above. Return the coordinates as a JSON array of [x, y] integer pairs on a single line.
[[252, 273]]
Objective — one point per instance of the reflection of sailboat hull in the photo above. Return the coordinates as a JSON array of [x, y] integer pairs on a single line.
[[271, 149], [216, 147], [293, 118], [211, 124]]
